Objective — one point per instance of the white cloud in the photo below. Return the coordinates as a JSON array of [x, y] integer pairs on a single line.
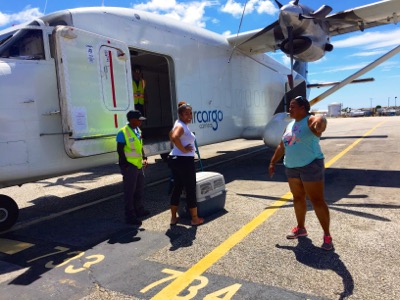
[[371, 40], [25, 15], [336, 69], [233, 8], [188, 12], [4, 19], [267, 7], [388, 66], [369, 53], [260, 6], [158, 5], [357, 66]]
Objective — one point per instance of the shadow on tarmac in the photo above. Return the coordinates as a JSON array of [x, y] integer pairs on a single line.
[[317, 258], [339, 185], [156, 172], [181, 236], [125, 236]]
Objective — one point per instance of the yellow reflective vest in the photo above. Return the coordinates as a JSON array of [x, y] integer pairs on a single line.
[[133, 148], [138, 91]]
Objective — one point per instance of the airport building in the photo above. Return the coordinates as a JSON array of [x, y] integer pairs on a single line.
[[334, 109]]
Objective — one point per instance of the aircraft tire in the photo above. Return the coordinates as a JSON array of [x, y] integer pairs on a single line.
[[8, 212]]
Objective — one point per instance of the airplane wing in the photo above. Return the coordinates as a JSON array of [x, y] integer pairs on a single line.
[[265, 41], [368, 16]]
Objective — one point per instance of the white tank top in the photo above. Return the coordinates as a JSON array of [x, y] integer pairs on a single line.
[[186, 139]]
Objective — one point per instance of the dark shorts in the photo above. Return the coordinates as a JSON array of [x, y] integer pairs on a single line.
[[314, 171]]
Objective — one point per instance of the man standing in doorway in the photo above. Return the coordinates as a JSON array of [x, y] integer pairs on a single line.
[[132, 160], [139, 86]]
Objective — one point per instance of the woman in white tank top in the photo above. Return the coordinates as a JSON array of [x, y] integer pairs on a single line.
[[181, 161]]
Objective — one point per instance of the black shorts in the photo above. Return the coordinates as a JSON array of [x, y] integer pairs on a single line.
[[314, 171]]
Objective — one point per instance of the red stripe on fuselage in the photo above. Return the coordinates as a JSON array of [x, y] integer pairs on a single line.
[[112, 78]]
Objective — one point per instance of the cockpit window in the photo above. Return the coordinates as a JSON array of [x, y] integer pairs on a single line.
[[22, 44]]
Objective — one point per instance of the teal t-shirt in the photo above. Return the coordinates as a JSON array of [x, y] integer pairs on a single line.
[[301, 144]]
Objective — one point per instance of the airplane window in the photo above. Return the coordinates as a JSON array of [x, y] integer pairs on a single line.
[[23, 44]]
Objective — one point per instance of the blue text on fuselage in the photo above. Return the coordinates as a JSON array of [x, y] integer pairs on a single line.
[[210, 118]]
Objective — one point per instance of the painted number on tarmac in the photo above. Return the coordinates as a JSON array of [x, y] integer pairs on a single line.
[[223, 294], [73, 255]]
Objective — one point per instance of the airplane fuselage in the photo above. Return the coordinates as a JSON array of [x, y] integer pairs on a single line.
[[55, 113]]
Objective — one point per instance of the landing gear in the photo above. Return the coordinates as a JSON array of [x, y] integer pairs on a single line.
[[8, 212]]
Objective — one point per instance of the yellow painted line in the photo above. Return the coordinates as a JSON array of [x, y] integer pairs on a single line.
[[11, 247], [337, 157], [179, 284], [183, 281]]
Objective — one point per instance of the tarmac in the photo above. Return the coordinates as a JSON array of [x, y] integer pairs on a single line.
[[240, 252]]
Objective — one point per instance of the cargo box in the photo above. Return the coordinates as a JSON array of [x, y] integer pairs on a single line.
[[210, 193]]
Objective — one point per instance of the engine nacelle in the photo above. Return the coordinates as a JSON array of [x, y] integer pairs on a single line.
[[305, 49]]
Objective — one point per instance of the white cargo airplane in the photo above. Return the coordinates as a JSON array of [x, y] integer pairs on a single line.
[[66, 83]]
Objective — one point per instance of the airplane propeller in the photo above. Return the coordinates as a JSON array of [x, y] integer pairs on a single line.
[[288, 29]]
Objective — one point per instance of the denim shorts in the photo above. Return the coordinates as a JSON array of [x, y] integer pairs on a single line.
[[314, 171]]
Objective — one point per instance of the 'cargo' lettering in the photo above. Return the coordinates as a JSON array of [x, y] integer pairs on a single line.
[[210, 118]]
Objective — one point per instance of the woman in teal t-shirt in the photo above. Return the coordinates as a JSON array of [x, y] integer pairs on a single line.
[[304, 167]]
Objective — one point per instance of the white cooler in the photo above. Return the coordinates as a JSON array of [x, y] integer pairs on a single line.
[[210, 193]]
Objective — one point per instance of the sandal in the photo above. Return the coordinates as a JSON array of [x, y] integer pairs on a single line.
[[201, 221]]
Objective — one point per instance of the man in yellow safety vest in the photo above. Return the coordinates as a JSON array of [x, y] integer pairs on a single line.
[[139, 85], [132, 160]]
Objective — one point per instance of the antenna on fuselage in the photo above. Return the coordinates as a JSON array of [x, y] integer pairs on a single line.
[[45, 6], [240, 25]]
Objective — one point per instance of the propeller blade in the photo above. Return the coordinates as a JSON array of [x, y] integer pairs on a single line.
[[290, 38], [277, 3], [268, 28], [302, 17], [321, 12]]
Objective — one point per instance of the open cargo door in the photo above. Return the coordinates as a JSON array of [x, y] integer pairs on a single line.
[[94, 78]]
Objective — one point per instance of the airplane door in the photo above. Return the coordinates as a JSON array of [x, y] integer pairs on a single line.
[[95, 90]]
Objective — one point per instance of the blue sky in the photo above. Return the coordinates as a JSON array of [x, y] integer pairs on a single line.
[[351, 51]]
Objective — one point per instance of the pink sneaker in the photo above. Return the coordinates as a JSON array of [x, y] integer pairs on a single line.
[[327, 245], [296, 232]]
